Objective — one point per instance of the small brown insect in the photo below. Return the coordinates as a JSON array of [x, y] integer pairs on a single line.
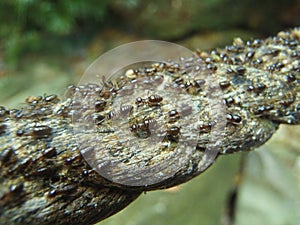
[[173, 67], [257, 89], [178, 80], [49, 152], [250, 55], [72, 159], [100, 105], [290, 78], [2, 128], [260, 88], [262, 109], [291, 43], [20, 166], [16, 113], [19, 133], [154, 100], [173, 133], [211, 67], [86, 173], [199, 83], [273, 52], [230, 71], [63, 111], [173, 115], [235, 119], [63, 190], [12, 194], [258, 61], [205, 128], [240, 70], [45, 172], [52, 98], [228, 101], [224, 84], [254, 43], [111, 115], [223, 55], [6, 155], [139, 101], [98, 119], [33, 100], [41, 131], [3, 112], [279, 65], [287, 102], [134, 128], [106, 93], [16, 188]]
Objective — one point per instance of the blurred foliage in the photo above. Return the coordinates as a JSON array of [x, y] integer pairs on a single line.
[[25, 23], [176, 19], [34, 25], [270, 190]]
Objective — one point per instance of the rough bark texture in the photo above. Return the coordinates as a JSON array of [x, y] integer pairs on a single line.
[[45, 180]]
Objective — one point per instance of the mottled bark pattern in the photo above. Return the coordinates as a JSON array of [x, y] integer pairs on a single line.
[[44, 178]]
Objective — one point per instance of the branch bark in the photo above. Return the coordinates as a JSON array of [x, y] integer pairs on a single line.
[[45, 180]]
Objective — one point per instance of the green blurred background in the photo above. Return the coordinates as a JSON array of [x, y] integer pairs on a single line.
[[46, 45]]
